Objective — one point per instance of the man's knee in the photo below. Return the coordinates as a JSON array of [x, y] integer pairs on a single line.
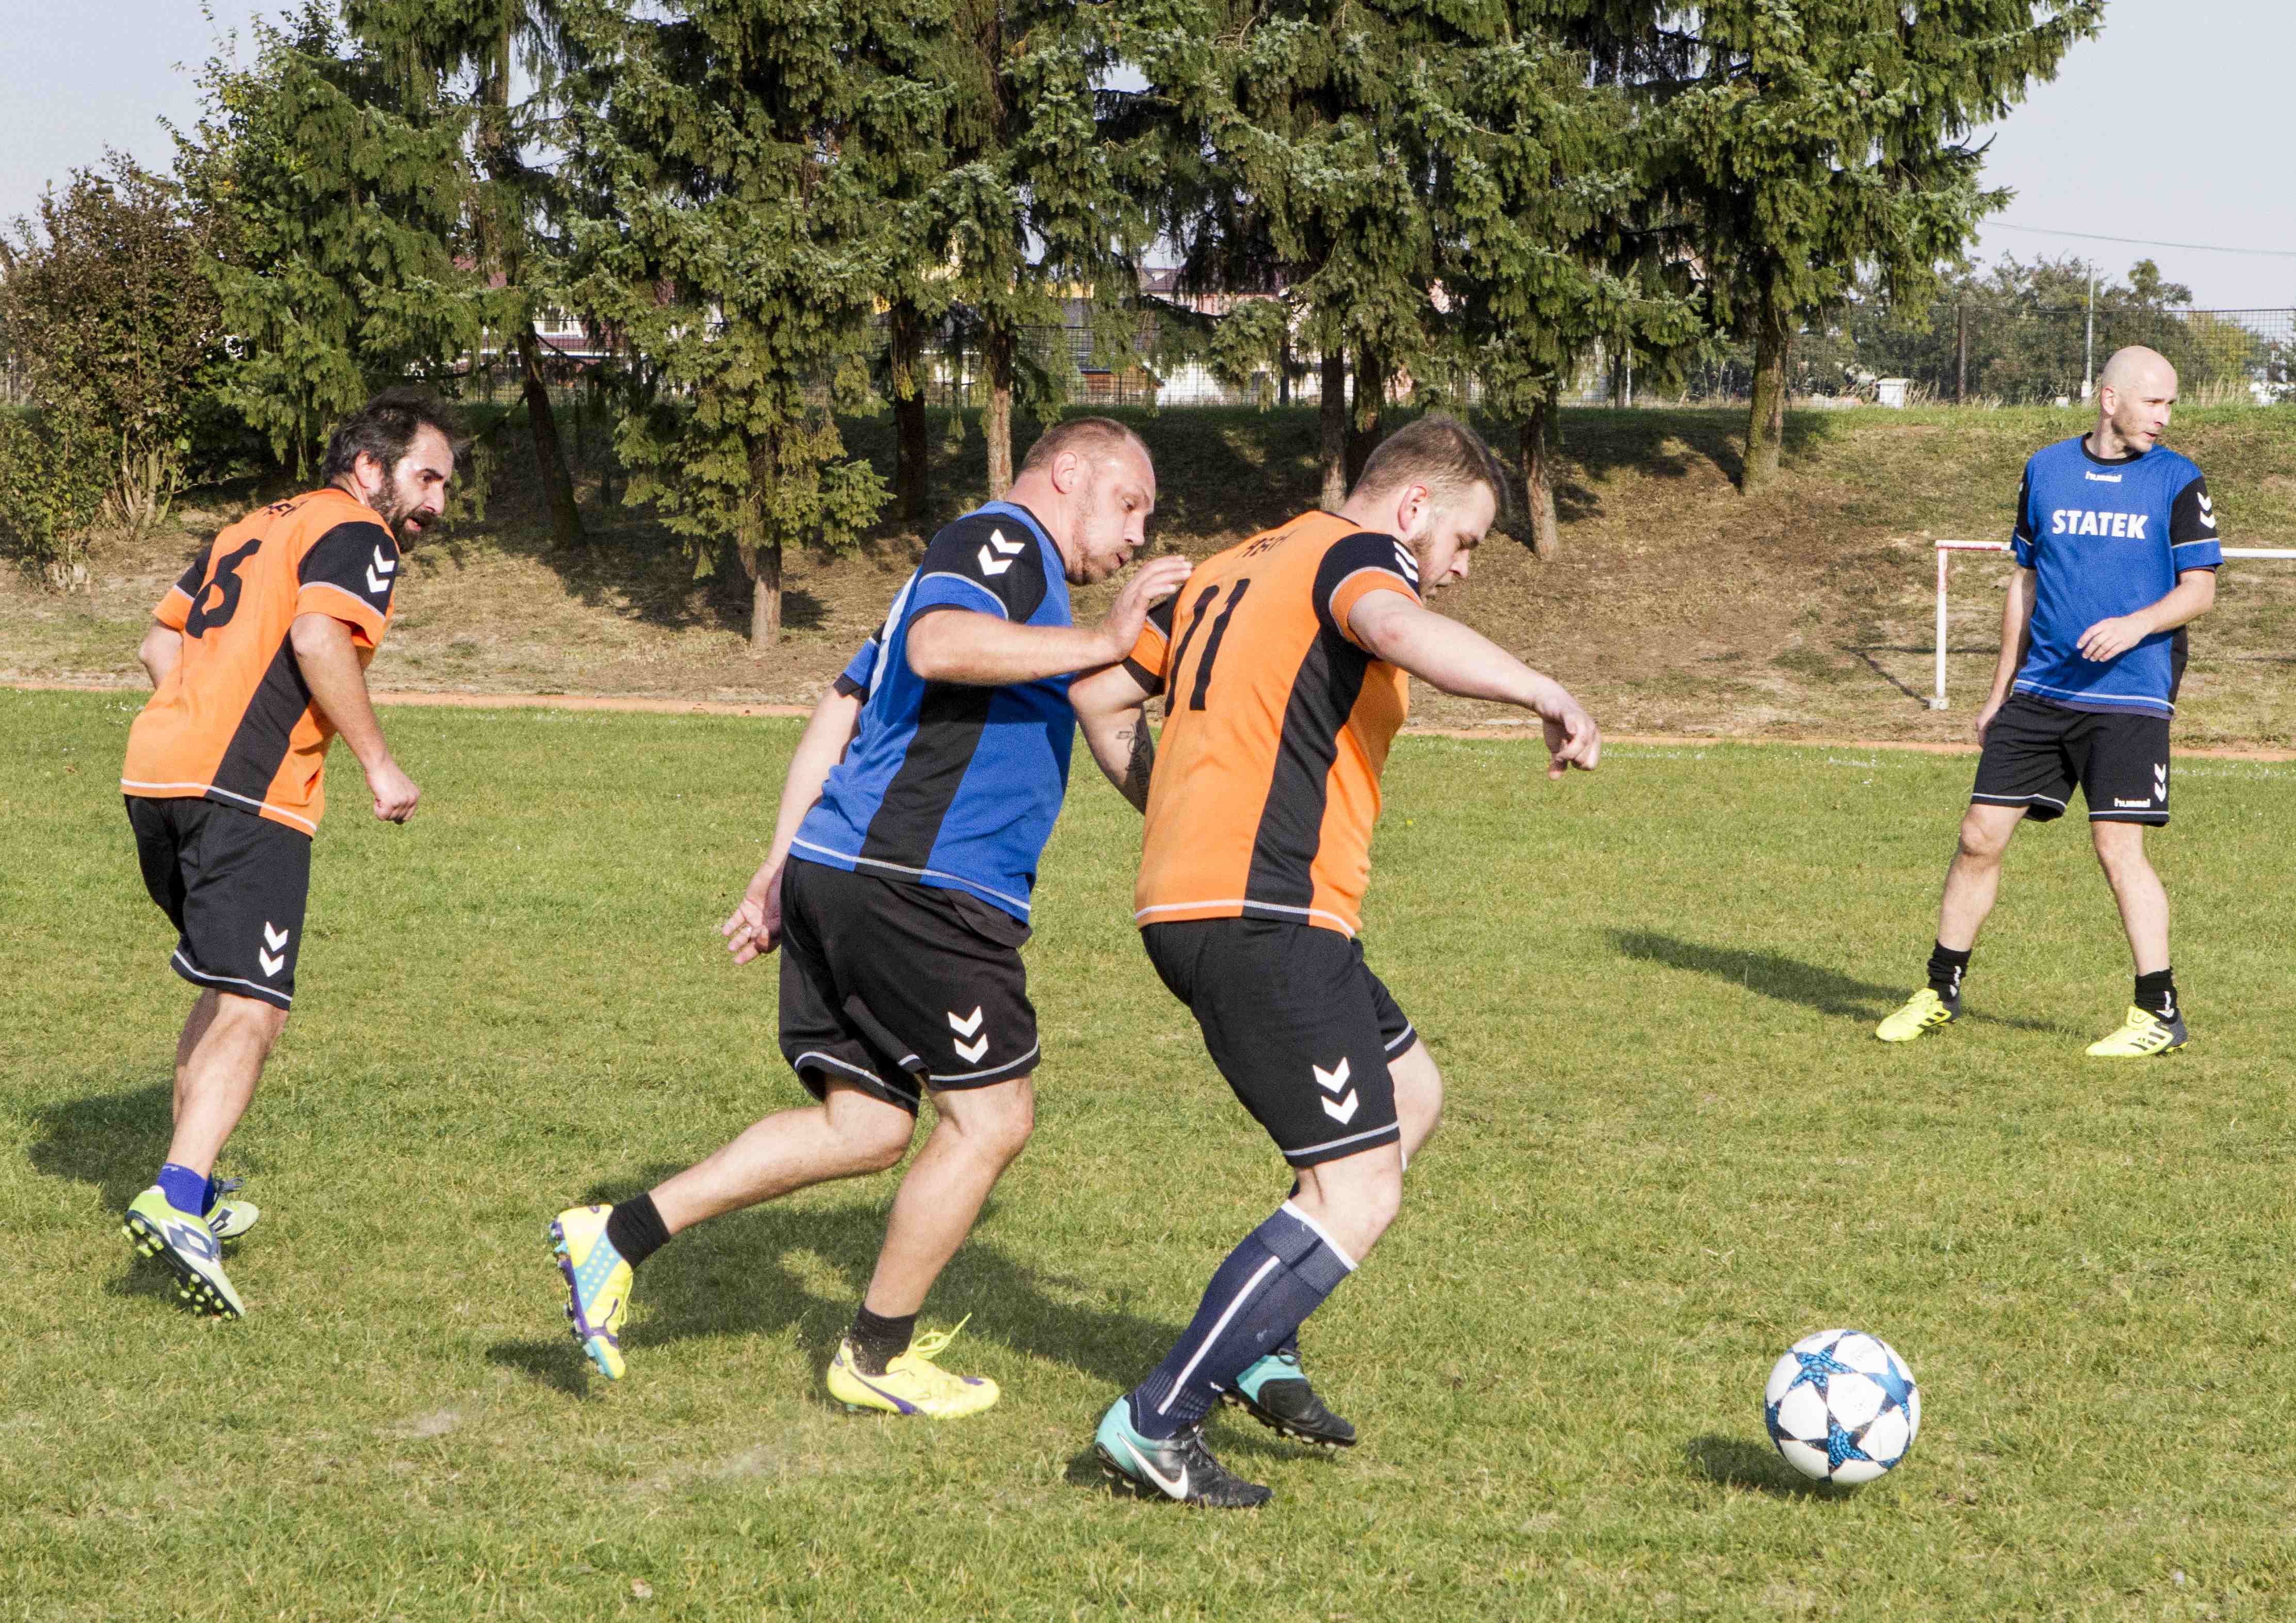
[[996, 1122], [2120, 850], [251, 1020], [1984, 838], [875, 1134]]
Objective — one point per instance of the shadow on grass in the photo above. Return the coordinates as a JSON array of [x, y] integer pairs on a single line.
[[114, 1141], [775, 1268], [1734, 1463], [1791, 980]]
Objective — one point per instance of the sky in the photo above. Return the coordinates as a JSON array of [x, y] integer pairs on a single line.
[[2170, 125]]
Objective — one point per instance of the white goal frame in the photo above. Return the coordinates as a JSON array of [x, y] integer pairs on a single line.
[[1946, 549]]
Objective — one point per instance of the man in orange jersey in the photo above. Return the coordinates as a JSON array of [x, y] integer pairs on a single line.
[[1285, 665], [258, 657]]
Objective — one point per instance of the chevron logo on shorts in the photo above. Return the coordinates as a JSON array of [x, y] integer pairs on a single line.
[[973, 1022], [1341, 1111], [2161, 784], [275, 939]]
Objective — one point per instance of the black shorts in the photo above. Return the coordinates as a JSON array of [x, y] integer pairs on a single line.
[[2036, 752], [1296, 1023], [233, 885], [894, 986]]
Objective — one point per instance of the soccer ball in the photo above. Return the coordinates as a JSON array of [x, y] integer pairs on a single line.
[[1841, 1406]]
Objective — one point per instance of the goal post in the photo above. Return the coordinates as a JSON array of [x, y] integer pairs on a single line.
[[1946, 549]]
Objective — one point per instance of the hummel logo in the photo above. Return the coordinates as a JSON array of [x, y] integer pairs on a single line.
[[1406, 564], [2120, 805], [1009, 549], [2161, 783], [274, 939], [1177, 1486], [1341, 1111], [967, 1026], [379, 572], [2104, 478], [2208, 513]]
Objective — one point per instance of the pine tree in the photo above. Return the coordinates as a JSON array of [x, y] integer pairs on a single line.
[[739, 253], [335, 200], [1295, 148], [1805, 139], [465, 50]]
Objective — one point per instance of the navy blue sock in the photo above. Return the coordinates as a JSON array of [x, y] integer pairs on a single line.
[[186, 1190], [1256, 1299]]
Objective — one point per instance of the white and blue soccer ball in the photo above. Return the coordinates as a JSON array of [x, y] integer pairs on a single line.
[[1841, 1406]]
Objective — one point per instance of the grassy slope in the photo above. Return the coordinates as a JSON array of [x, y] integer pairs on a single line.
[[1676, 606], [1671, 1147]]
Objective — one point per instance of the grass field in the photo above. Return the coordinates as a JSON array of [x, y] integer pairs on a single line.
[[1672, 1146]]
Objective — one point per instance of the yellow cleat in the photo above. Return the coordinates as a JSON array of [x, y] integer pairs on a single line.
[[1924, 1011], [912, 1384], [597, 1284], [2143, 1035]]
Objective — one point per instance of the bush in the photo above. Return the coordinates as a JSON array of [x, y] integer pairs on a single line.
[[53, 486]]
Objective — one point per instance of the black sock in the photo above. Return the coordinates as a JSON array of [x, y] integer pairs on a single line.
[[1947, 967], [634, 1228], [2157, 992], [878, 1342]]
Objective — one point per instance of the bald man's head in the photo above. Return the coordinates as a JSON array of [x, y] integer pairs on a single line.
[[2135, 395]]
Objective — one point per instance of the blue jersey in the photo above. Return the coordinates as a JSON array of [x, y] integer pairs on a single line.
[[947, 785], [2105, 540]]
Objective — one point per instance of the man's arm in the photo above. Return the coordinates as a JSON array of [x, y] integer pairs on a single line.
[[2193, 595], [949, 644], [1111, 712], [331, 667], [2016, 639], [161, 648], [755, 927], [1467, 665]]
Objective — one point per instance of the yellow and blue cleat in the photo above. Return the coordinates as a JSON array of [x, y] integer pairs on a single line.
[[189, 1247], [1924, 1012], [2143, 1035], [597, 1284], [228, 1219], [912, 1384]]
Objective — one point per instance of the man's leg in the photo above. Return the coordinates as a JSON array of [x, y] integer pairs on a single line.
[[1972, 879], [599, 1248], [219, 1059], [1418, 1096], [2156, 1021], [883, 1363], [978, 1133]]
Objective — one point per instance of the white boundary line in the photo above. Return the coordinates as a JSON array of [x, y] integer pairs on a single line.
[[1946, 549]]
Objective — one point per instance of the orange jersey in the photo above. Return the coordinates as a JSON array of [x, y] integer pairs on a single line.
[[233, 721], [1276, 724]]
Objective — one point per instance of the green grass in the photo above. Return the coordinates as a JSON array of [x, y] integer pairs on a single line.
[[1671, 1147]]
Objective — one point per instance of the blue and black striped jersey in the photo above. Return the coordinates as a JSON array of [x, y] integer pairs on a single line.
[[946, 784]]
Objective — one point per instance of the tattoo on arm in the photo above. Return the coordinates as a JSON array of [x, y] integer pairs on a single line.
[[1141, 764]]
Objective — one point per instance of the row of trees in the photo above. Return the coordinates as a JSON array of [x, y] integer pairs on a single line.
[[770, 206]]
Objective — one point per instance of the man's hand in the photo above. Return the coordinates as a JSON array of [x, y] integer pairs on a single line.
[[1151, 583], [394, 791], [1572, 738], [1985, 716], [755, 928], [2110, 639]]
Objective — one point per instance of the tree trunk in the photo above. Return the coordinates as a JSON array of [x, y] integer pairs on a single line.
[[1283, 367], [763, 565], [911, 464], [1332, 423], [1538, 479], [1371, 397], [1766, 421], [549, 456], [997, 421]]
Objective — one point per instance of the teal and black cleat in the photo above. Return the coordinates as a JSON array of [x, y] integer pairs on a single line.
[[188, 1247], [1275, 1392], [1179, 1468]]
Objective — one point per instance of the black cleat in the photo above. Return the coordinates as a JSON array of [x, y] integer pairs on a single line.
[[1179, 1468], [1275, 1392]]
